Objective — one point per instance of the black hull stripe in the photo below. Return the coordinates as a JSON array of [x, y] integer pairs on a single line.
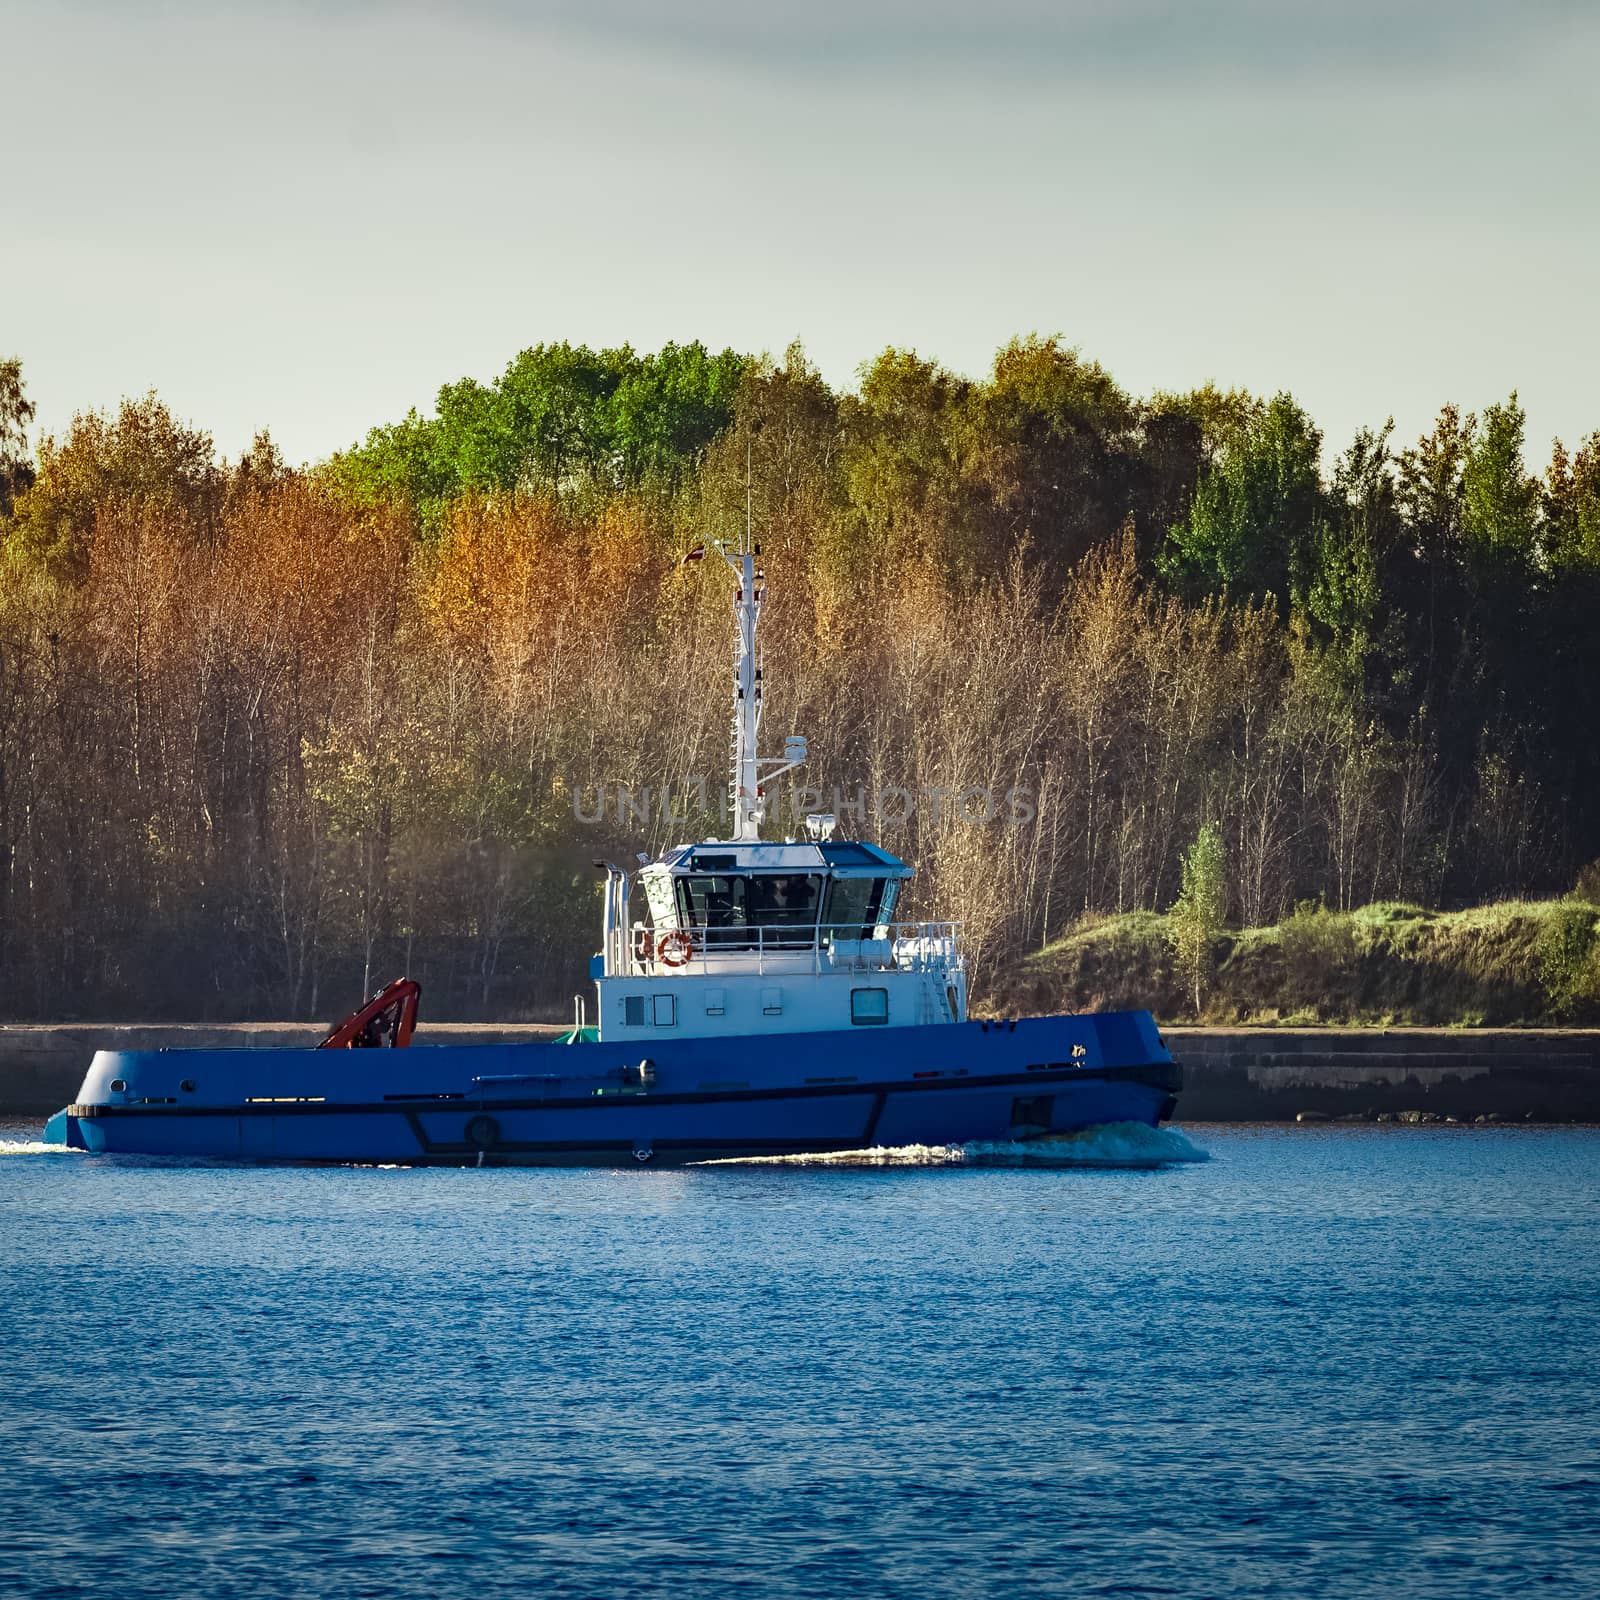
[[455, 1149], [1163, 1075]]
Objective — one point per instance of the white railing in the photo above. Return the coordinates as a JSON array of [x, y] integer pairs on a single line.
[[890, 947]]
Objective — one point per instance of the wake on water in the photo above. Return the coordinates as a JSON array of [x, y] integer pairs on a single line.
[[1116, 1144]]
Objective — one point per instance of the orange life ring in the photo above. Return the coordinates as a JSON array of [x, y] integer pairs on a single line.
[[675, 948], [644, 945]]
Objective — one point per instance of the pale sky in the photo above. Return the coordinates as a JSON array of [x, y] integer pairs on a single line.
[[308, 217]]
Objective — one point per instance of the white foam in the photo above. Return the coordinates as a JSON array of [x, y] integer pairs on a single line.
[[1115, 1144], [34, 1147]]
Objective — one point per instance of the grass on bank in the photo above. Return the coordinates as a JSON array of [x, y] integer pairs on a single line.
[[1528, 962]]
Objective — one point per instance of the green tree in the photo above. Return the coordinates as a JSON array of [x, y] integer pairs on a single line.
[[16, 412], [668, 408], [546, 422], [561, 419], [1054, 444], [401, 464], [1222, 417], [1430, 592], [1196, 916], [1345, 589], [1178, 438], [790, 418], [906, 448], [1500, 500], [1253, 523]]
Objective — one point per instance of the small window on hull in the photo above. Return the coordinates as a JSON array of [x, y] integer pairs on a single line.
[[650, 1011], [869, 1008]]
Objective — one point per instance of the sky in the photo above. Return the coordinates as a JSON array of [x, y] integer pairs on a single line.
[[306, 218]]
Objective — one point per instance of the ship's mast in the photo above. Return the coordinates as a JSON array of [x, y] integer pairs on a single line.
[[750, 774], [744, 790]]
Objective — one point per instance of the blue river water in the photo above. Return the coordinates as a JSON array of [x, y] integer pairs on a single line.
[[1325, 1361]]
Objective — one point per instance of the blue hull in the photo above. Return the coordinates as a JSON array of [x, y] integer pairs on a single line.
[[691, 1099]]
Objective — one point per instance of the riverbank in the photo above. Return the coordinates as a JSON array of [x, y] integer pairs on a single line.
[[1513, 964], [1230, 1074]]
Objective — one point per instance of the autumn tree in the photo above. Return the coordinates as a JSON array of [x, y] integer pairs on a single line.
[[1571, 520], [141, 459], [268, 735], [16, 412]]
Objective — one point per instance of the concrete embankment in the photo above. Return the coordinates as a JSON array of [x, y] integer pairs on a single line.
[[1280, 1074], [1230, 1074]]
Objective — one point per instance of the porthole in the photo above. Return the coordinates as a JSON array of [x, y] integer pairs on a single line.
[[483, 1133], [187, 1085], [118, 1085]]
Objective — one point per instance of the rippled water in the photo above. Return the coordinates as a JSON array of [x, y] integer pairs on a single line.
[[1330, 1361]]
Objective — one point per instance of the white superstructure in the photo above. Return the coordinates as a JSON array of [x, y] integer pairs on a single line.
[[748, 937]]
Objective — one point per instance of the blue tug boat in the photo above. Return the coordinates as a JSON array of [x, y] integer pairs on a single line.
[[767, 1003]]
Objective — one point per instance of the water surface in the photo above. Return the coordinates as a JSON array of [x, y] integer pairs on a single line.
[[1329, 1361]]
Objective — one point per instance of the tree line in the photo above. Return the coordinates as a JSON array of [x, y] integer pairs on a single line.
[[270, 735]]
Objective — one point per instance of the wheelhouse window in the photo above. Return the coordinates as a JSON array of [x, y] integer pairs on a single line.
[[726, 909], [785, 900], [852, 908], [717, 905]]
